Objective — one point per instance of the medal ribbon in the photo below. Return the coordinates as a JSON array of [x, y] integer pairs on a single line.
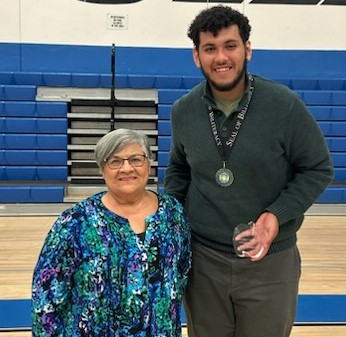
[[225, 148]]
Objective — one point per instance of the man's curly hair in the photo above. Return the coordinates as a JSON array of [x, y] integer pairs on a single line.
[[216, 18]]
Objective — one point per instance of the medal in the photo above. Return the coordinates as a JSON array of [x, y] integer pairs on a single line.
[[224, 177]]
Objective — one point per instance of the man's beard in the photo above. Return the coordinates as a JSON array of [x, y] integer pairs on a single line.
[[228, 86]]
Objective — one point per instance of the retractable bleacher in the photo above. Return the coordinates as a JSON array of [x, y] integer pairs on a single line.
[[34, 134]]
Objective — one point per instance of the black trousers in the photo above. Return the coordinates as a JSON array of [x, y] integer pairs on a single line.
[[229, 296]]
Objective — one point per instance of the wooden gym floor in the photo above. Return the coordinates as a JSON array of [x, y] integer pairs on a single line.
[[321, 241]]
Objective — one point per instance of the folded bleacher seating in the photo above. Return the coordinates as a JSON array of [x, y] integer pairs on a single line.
[[30, 125], [33, 142]]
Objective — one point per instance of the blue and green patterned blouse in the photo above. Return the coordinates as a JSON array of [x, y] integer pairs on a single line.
[[96, 277]]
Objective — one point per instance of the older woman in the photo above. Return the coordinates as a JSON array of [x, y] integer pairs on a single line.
[[116, 263]]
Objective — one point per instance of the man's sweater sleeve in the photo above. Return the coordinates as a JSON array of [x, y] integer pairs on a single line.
[[177, 175], [309, 156]]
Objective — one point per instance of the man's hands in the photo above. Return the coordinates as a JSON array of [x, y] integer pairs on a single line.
[[263, 232]]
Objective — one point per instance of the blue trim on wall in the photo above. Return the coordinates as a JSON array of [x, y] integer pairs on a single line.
[[64, 58], [158, 61], [299, 63], [10, 57], [54, 58], [163, 61]]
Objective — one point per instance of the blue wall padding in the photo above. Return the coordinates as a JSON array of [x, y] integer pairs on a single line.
[[307, 63], [147, 60], [151, 60], [312, 310], [10, 57], [321, 309], [15, 314], [272, 63], [65, 58]]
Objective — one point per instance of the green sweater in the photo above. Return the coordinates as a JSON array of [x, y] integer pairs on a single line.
[[280, 163]]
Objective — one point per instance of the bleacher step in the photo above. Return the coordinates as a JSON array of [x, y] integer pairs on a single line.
[[66, 94], [105, 124], [102, 115]]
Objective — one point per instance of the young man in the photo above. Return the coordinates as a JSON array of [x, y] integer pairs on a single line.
[[244, 149]]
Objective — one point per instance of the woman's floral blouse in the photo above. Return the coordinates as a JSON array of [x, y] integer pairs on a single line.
[[96, 277]]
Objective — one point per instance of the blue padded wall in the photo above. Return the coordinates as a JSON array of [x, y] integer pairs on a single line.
[[149, 60], [311, 310]]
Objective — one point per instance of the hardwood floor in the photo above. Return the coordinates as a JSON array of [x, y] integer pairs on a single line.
[[300, 331], [321, 241], [322, 245]]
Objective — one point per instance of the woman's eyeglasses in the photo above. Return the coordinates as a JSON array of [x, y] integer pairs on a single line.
[[136, 160]]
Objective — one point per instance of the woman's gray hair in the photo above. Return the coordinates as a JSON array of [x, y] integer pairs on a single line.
[[116, 140]]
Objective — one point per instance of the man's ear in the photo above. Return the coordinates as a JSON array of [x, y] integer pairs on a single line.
[[195, 56], [248, 50]]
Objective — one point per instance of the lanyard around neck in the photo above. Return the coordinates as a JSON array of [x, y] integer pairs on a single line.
[[225, 147]]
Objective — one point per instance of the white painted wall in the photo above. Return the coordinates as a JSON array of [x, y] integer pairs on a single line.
[[163, 23]]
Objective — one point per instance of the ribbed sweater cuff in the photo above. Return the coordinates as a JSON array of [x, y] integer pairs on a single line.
[[275, 247]]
